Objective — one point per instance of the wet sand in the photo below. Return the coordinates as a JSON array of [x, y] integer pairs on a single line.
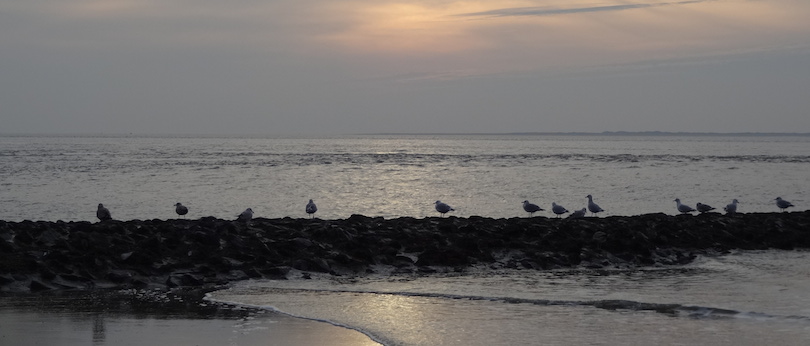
[[154, 318]]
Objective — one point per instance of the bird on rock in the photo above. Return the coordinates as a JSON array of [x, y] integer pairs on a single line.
[[731, 208], [245, 216], [683, 208], [703, 208], [311, 208], [531, 208], [443, 208], [782, 204], [180, 209], [558, 209], [593, 207], [103, 213]]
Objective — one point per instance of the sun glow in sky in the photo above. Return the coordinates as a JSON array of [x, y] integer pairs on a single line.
[[548, 33], [361, 65]]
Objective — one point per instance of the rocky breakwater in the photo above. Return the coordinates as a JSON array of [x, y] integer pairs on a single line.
[[38, 256]]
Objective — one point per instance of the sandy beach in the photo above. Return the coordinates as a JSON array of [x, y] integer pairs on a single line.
[[154, 318]]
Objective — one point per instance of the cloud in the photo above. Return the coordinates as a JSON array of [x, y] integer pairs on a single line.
[[549, 11]]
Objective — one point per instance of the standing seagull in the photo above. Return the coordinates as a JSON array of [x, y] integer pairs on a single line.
[[102, 213], [683, 208], [558, 209], [731, 209], [782, 204], [180, 209], [593, 207], [443, 208], [311, 209], [245, 216], [531, 208], [703, 208]]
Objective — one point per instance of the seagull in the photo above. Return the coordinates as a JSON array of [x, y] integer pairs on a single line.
[[558, 209], [531, 208], [731, 209], [180, 209], [593, 207], [311, 208], [443, 208], [578, 213], [782, 204], [704, 208], [245, 216], [102, 213], [683, 208]]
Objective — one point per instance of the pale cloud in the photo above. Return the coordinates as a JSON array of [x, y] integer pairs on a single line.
[[356, 65], [479, 35], [179, 23], [552, 10], [486, 36], [402, 28]]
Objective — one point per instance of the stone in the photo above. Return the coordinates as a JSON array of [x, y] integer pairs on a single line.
[[41, 255]]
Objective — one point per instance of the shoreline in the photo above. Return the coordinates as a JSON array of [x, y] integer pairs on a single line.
[[210, 252], [155, 317]]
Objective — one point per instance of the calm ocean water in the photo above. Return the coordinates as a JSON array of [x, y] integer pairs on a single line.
[[64, 178], [746, 298]]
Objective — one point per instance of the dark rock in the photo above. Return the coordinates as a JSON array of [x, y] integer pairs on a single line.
[[154, 253], [72, 282], [276, 272], [37, 285], [119, 276], [191, 280], [6, 279], [302, 242]]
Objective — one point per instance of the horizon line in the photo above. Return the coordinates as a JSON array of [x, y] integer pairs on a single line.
[[522, 133], [603, 133]]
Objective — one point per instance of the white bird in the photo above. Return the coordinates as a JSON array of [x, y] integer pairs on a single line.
[[311, 208], [731, 209], [103, 213], [578, 213], [593, 207], [683, 208], [782, 204], [531, 208], [180, 209], [443, 208], [245, 216], [703, 208], [558, 209]]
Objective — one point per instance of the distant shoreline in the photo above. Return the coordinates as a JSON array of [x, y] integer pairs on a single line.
[[584, 134], [609, 133]]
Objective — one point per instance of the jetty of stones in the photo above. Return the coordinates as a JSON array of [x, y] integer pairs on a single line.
[[209, 252]]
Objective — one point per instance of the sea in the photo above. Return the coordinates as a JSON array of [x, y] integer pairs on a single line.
[[741, 298]]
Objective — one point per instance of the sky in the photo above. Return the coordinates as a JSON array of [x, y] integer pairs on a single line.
[[380, 66]]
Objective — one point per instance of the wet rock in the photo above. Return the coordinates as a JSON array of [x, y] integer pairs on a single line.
[[155, 253], [119, 276], [38, 285], [275, 272], [6, 279]]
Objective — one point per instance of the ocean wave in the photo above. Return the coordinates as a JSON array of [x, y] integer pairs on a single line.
[[171, 161], [511, 159]]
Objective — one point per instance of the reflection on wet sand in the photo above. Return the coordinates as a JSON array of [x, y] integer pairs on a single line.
[[153, 318]]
